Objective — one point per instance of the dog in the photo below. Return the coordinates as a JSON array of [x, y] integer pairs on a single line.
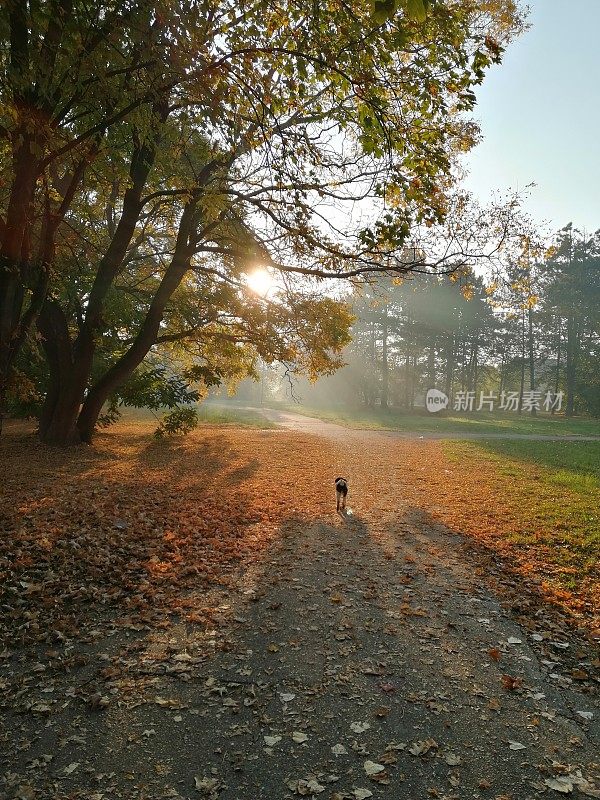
[[341, 490]]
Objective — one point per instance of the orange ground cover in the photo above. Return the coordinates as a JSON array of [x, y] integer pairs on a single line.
[[475, 498], [131, 526], [137, 523]]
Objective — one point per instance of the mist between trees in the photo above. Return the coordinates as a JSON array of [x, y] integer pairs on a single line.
[[535, 328]]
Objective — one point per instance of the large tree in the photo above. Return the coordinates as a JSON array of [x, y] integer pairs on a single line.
[[200, 139]]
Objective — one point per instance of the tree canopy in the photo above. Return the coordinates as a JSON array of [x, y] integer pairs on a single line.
[[155, 152]]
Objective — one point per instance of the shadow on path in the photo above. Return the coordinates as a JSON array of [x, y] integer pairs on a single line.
[[348, 643]]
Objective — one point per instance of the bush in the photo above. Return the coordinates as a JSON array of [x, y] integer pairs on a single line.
[[179, 421]]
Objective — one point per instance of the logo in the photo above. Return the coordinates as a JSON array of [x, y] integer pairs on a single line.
[[436, 400]]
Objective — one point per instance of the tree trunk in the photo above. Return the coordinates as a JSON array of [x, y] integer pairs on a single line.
[[370, 388], [558, 355], [36, 275], [412, 383], [407, 377], [147, 335], [502, 369], [57, 424], [475, 368], [12, 266], [431, 363], [385, 374], [449, 365], [68, 385], [463, 364], [531, 359], [67, 417], [570, 368], [522, 384]]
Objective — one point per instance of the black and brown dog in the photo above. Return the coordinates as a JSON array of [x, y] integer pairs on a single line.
[[341, 490]]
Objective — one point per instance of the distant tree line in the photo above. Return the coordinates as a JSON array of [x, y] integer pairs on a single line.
[[537, 327]]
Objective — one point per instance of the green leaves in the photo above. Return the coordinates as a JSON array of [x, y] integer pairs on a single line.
[[155, 387], [383, 10], [416, 10], [177, 422]]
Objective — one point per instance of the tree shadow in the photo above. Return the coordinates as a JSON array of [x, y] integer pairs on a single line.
[[527, 595], [214, 631], [117, 534], [375, 638]]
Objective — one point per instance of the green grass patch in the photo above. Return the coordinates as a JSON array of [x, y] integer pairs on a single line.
[[231, 415], [548, 495], [482, 423], [575, 465], [208, 414]]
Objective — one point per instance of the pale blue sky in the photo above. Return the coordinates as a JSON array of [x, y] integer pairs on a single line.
[[539, 113]]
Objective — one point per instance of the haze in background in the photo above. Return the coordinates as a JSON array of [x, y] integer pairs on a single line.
[[540, 116], [540, 121]]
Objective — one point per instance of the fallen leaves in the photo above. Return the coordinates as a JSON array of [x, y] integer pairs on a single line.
[[208, 787], [421, 748], [503, 514], [359, 727], [562, 785], [511, 683], [339, 750], [372, 768], [305, 787], [25, 792], [271, 741], [148, 523], [452, 759], [40, 708], [579, 675], [567, 778], [381, 711], [516, 745], [278, 721]]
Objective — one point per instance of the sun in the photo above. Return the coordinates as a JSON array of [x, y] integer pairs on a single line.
[[260, 281]]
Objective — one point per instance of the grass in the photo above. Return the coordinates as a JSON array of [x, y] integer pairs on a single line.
[[546, 499], [230, 415], [574, 465], [210, 414], [482, 423]]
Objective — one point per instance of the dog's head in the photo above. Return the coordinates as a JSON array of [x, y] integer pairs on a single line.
[[341, 482]]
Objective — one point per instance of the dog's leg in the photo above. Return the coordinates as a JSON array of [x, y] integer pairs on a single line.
[[337, 497]]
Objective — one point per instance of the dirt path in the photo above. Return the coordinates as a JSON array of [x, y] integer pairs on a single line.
[[360, 656], [299, 422]]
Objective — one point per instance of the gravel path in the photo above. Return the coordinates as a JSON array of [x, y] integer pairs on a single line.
[[299, 422]]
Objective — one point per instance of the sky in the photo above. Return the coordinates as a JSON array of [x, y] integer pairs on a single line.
[[539, 113]]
